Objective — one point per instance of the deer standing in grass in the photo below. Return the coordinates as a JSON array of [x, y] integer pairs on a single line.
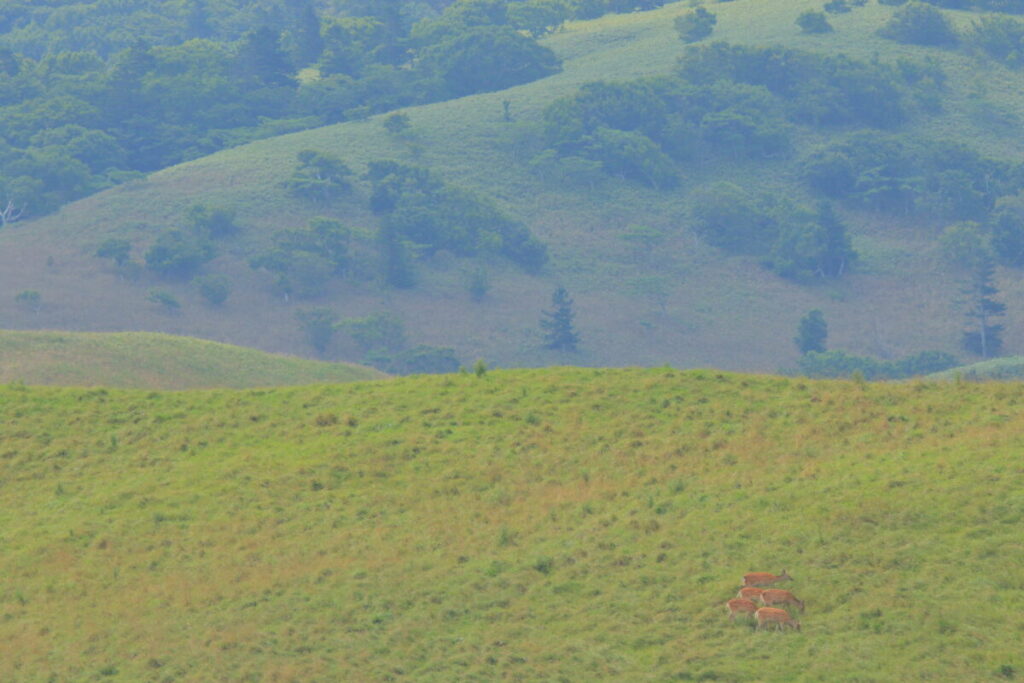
[[777, 596], [778, 617], [750, 593], [765, 579], [741, 606]]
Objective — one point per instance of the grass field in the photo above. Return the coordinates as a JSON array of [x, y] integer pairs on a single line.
[[143, 360], [720, 311], [565, 524]]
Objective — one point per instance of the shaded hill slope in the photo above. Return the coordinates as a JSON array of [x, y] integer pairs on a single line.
[[702, 309], [560, 524], [143, 360]]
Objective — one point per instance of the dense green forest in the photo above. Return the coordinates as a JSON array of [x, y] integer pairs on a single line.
[[96, 93]]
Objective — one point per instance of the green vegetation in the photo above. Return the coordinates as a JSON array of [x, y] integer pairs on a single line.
[[577, 524], [807, 107], [144, 360]]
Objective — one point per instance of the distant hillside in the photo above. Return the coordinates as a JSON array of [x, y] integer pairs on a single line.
[[536, 525], [1011, 368], [144, 360], [680, 301]]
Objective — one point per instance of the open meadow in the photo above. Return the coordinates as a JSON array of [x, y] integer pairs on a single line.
[[561, 524]]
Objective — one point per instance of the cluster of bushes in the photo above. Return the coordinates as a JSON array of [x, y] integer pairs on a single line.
[[792, 240], [303, 260], [420, 213], [180, 253], [999, 37], [895, 174], [822, 90], [381, 337], [731, 100], [841, 364]]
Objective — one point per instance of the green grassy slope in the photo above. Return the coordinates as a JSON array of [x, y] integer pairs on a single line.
[[721, 311], [997, 368], [535, 525], [143, 360]]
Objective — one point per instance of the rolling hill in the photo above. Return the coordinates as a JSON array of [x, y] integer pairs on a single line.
[[560, 524], [145, 360], [712, 309]]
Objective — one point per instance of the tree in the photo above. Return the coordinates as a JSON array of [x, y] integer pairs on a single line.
[[695, 25], [982, 336], [812, 333], [177, 253], [261, 58], [319, 175], [212, 221], [813, 22], [557, 325], [969, 250], [318, 324], [396, 124], [115, 249], [164, 299], [29, 299], [214, 288], [920, 24]]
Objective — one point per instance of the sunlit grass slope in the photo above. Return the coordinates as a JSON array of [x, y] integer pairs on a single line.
[[527, 525], [144, 360]]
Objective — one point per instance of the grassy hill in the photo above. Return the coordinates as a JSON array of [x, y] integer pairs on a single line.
[[565, 524], [142, 360], [998, 369], [718, 311]]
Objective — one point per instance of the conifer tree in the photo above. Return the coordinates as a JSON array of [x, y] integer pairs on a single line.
[[559, 333], [982, 336]]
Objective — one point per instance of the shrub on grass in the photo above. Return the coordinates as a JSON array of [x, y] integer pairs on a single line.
[[813, 22], [919, 24], [214, 288]]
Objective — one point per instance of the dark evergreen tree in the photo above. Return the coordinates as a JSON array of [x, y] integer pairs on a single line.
[[838, 252], [812, 333], [197, 23], [559, 333], [982, 336], [396, 261], [309, 42], [261, 58]]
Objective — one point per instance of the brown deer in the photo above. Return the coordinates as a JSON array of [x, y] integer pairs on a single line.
[[765, 579], [741, 606], [777, 596], [773, 615], [750, 593]]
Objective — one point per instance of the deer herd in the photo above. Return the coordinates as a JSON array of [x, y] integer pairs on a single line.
[[754, 591]]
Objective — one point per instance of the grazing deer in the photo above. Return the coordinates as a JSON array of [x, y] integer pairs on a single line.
[[777, 596], [741, 606], [765, 579], [750, 593], [773, 615]]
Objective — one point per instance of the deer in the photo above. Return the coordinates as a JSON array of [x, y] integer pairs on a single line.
[[765, 579], [773, 615], [741, 606], [750, 593], [777, 596]]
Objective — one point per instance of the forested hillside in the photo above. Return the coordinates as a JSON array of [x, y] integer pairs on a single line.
[[534, 525], [697, 180], [95, 92]]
